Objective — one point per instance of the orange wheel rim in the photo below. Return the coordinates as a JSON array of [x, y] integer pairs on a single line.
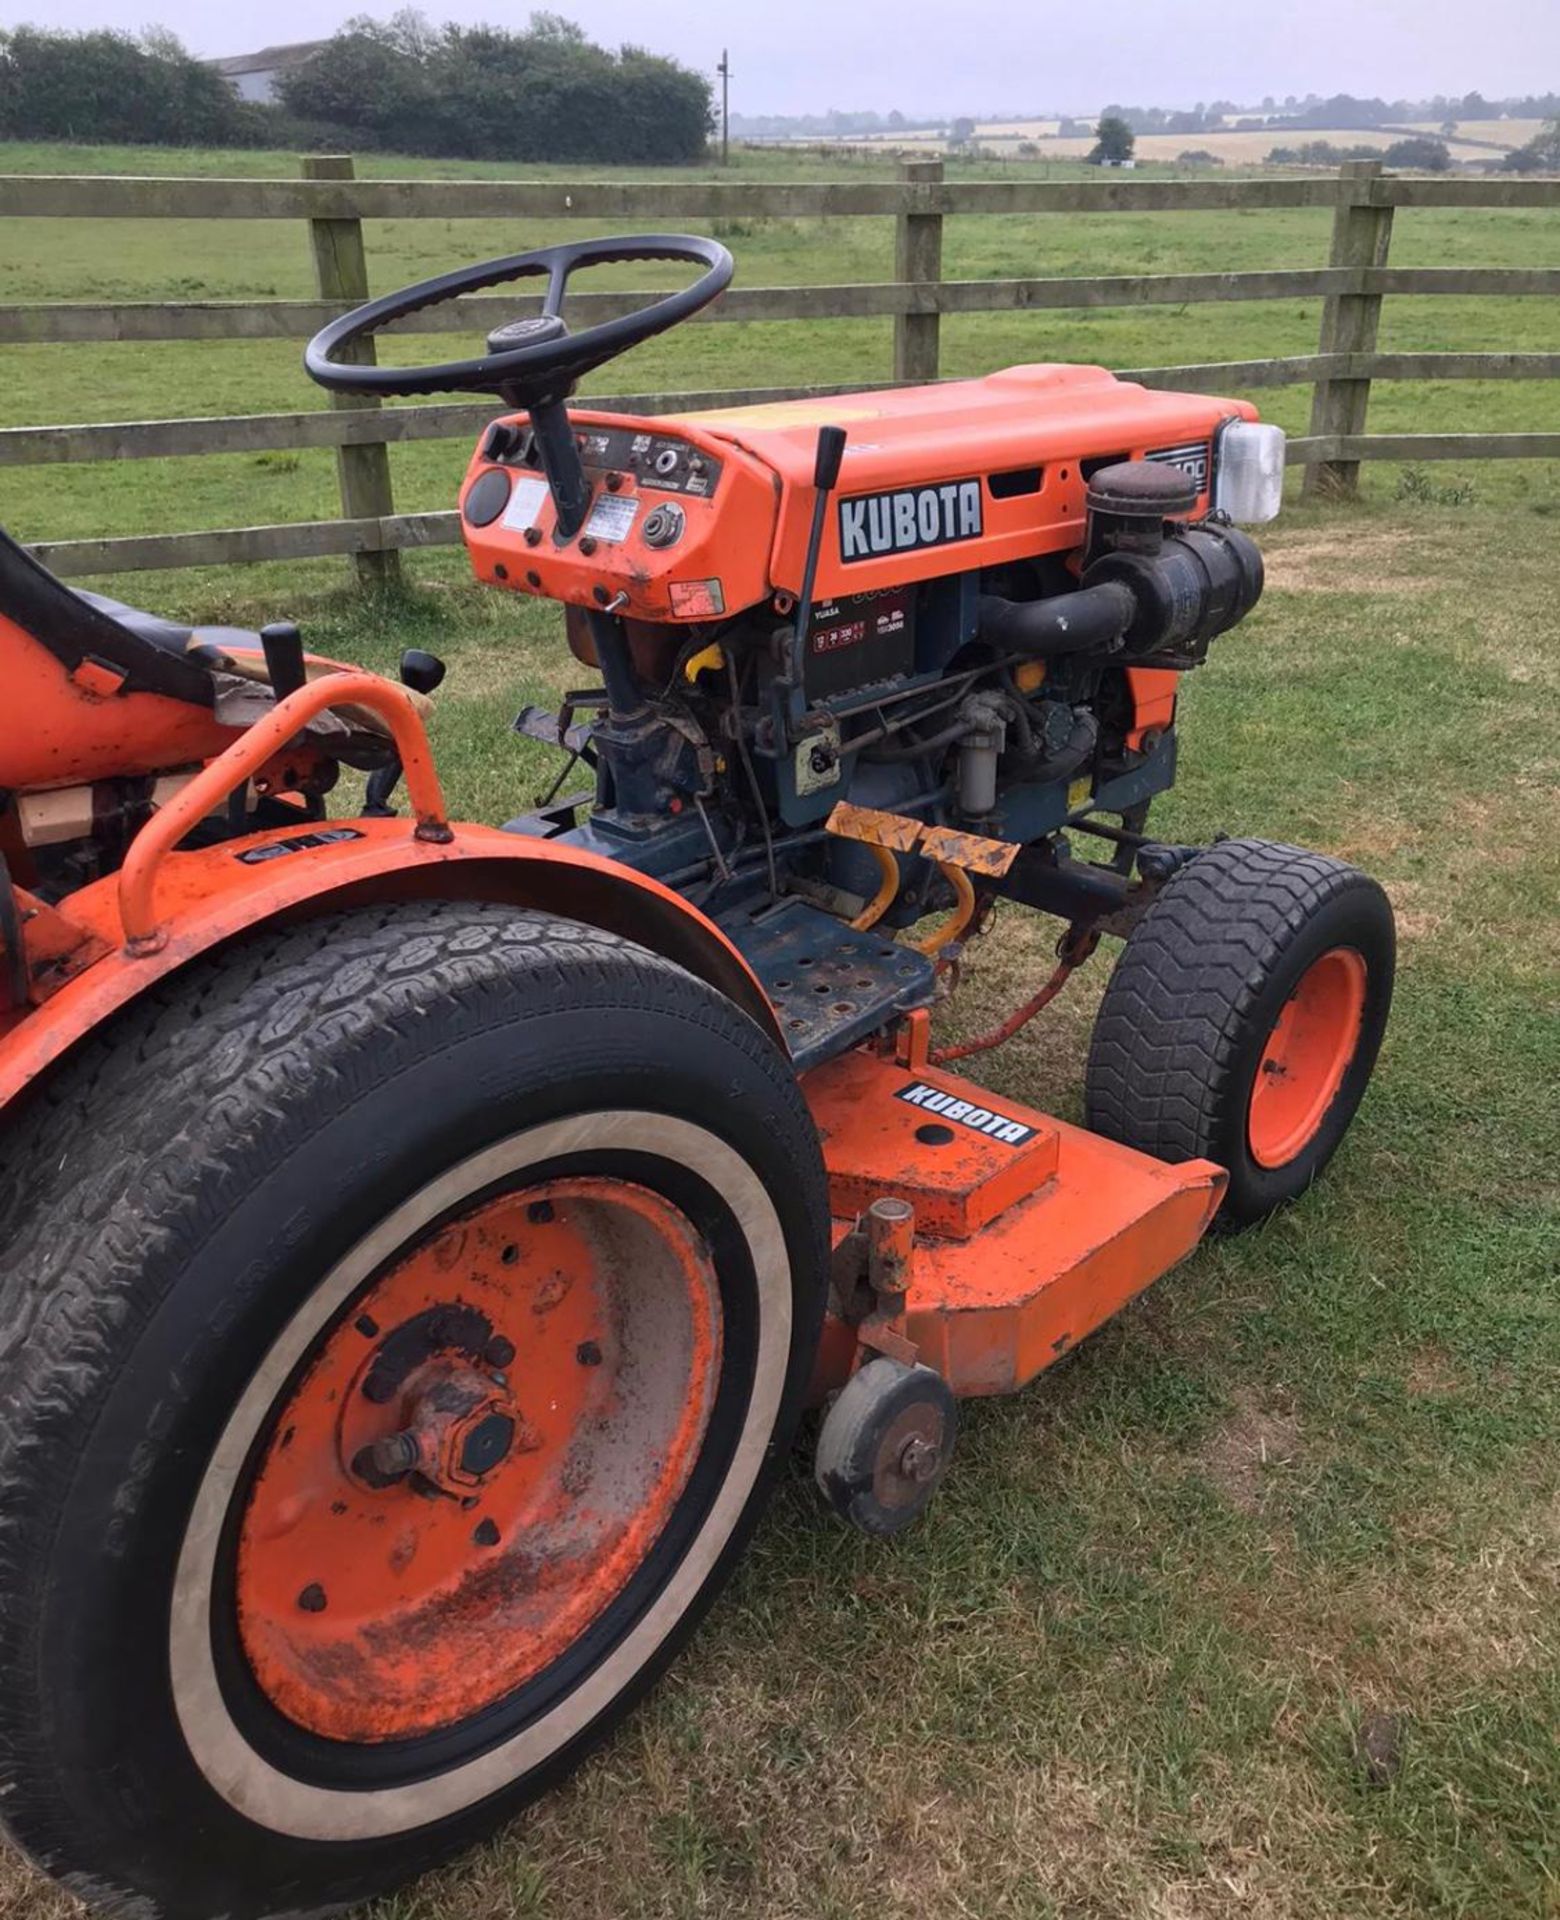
[[1306, 1057], [482, 1452]]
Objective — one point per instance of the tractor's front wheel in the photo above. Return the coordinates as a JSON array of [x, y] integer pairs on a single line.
[[401, 1316], [1242, 1020]]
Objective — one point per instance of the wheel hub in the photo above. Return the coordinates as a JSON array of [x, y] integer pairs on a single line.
[[479, 1455], [1306, 1057], [461, 1425]]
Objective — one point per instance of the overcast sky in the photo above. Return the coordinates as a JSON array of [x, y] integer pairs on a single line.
[[975, 56]]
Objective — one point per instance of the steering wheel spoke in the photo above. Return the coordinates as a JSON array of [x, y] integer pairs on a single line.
[[557, 287]]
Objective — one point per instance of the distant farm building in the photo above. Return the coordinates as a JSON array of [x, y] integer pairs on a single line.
[[256, 76]]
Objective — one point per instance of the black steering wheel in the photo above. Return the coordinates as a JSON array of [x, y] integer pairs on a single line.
[[532, 362]]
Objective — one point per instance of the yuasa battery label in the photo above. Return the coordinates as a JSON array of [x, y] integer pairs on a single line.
[[965, 1113], [858, 617], [859, 639]]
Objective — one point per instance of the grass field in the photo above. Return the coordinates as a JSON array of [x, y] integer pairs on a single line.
[[136, 260], [1308, 1486], [1251, 1608]]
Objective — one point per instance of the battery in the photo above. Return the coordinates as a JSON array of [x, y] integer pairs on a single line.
[[859, 640]]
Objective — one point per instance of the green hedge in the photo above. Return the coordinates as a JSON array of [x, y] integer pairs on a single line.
[[546, 93]]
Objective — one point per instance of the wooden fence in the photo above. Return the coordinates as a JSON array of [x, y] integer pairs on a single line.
[[1352, 286]]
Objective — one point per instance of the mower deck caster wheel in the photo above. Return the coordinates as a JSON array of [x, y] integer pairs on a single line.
[[885, 1445]]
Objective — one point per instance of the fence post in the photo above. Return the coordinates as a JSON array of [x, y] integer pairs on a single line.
[[918, 260], [1361, 235], [341, 273]]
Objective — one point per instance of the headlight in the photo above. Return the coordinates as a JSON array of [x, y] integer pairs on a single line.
[[1248, 471]]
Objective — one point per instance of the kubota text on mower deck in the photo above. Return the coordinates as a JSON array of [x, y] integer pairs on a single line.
[[421, 1239]]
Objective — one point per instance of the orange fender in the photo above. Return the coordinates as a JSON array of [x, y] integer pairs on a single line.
[[206, 899]]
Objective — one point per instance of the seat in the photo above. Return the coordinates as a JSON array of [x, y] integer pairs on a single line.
[[74, 735], [154, 655], [168, 634]]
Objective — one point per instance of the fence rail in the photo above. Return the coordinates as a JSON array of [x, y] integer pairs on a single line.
[[153, 197], [1351, 287]]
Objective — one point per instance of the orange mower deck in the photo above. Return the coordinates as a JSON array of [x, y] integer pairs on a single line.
[[1025, 1234]]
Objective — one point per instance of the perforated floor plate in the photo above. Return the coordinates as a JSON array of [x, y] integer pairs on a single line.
[[829, 986]]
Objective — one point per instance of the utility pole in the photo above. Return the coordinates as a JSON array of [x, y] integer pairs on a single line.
[[724, 70]]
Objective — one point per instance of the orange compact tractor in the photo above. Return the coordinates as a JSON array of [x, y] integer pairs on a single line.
[[420, 1239]]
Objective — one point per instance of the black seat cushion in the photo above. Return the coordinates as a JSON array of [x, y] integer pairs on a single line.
[[152, 654], [168, 634]]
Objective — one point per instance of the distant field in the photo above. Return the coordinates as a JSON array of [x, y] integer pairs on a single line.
[[1473, 140], [1499, 133], [1249, 149]]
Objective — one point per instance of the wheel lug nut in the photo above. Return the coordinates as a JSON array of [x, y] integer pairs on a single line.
[[499, 1352], [312, 1599], [485, 1533], [389, 1458], [540, 1212], [588, 1353]]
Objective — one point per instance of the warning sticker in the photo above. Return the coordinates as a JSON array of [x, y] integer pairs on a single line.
[[525, 502], [696, 599], [612, 516]]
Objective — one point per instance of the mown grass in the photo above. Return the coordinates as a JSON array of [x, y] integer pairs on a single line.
[[1306, 1492], [1251, 1607]]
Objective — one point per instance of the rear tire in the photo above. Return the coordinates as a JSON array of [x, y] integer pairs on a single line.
[[198, 1713], [1243, 1019]]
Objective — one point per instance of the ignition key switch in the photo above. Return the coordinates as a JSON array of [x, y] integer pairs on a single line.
[[664, 527]]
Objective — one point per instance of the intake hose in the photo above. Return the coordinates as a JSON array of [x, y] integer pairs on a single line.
[[1081, 622]]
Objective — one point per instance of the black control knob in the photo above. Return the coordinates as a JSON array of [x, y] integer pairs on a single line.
[[420, 671], [502, 441]]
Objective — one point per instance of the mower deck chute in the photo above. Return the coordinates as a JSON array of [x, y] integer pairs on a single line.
[[1027, 1232]]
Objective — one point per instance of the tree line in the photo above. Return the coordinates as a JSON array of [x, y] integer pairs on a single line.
[[547, 93], [109, 86], [544, 93]]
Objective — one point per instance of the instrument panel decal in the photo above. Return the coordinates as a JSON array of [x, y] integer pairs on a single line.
[[526, 495], [612, 517]]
